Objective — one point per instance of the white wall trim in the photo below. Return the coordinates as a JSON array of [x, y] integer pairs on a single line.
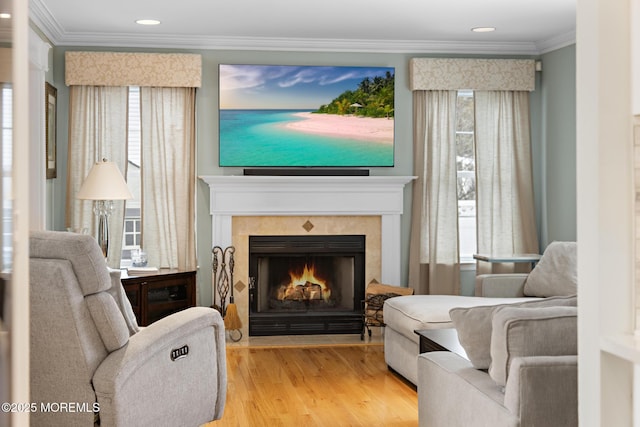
[[38, 66], [289, 44], [288, 196], [38, 52], [20, 322]]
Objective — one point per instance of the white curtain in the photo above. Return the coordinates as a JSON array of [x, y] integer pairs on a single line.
[[97, 130], [434, 266], [504, 183], [168, 176]]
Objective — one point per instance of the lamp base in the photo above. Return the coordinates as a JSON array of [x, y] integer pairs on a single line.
[[102, 209]]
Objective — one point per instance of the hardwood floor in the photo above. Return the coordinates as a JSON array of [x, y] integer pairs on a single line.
[[347, 385]]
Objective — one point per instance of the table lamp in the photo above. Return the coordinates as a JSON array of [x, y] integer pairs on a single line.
[[104, 184]]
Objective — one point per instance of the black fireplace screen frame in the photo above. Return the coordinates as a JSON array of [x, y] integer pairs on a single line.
[[316, 322]]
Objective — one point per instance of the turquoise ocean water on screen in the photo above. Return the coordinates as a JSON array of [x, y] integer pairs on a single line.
[[259, 138]]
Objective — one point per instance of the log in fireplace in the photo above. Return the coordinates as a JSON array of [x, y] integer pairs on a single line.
[[306, 284]]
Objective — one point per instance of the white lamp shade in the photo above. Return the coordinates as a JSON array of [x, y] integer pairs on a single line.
[[104, 182]]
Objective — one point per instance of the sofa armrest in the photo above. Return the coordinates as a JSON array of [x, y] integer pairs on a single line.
[[445, 380], [143, 383], [530, 331], [544, 390], [500, 285]]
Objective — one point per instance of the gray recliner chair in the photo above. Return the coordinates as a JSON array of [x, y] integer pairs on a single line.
[[87, 350]]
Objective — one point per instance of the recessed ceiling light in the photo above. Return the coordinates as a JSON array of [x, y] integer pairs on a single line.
[[147, 22], [5, 15], [483, 29]]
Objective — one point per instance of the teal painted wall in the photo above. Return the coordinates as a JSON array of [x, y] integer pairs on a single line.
[[558, 91], [207, 131]]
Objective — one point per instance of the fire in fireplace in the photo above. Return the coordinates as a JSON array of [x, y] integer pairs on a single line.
[[304, 287], [306, 284]]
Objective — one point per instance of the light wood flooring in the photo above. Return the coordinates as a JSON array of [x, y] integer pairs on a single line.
[[316, 385]]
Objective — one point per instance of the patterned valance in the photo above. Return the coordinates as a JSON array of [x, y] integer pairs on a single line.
[[472, 73], [6, 64], [133, 69]]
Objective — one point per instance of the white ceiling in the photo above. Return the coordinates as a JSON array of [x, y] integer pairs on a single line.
[[523, 26]]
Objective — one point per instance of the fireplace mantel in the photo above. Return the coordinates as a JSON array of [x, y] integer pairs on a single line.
[[312, 195]]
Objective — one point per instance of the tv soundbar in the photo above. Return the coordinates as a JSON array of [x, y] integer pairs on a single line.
[[305, 172]]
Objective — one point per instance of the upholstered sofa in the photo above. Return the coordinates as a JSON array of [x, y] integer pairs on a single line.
[[87, 350], [523, 373], [553, 279]]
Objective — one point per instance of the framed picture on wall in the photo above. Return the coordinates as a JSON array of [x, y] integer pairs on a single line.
[[50, 107]]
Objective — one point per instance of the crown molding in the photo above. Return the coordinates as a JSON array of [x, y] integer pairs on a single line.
[[45, 21], [288, 44], [557, 42]]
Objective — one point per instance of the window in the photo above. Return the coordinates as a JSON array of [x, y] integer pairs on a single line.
[[132, 229], [132, 237], [466, 169]]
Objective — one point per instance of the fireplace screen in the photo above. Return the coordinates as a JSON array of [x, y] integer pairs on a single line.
[[304, 284]]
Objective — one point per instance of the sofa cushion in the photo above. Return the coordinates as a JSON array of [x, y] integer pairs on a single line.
[[556, 273], [406, 314], [474, 325], [526, 331]]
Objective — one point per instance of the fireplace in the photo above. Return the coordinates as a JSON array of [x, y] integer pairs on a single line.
[[244, 206], [306, 284]]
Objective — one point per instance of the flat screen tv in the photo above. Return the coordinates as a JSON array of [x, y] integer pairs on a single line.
[[306, 116]]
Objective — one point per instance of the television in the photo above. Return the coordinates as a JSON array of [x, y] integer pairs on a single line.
[[306, 116]]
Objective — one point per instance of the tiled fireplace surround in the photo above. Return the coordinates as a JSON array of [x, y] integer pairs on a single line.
[[243, 206]]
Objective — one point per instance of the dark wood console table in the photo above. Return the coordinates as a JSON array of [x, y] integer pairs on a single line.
[[440, 340], [156, 295]]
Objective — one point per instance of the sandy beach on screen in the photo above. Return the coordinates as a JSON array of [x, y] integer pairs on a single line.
[[363, 128]]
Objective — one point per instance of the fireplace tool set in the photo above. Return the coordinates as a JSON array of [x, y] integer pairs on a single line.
[[223, 264]]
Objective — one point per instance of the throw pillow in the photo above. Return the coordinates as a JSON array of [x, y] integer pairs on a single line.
[[474, 326], [556, 273], [522, 332]]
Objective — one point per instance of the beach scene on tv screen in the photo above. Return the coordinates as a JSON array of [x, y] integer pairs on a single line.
[[306, 116]]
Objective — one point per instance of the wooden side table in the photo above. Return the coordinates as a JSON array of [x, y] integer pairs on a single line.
[[515, 258], [154, 296]]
